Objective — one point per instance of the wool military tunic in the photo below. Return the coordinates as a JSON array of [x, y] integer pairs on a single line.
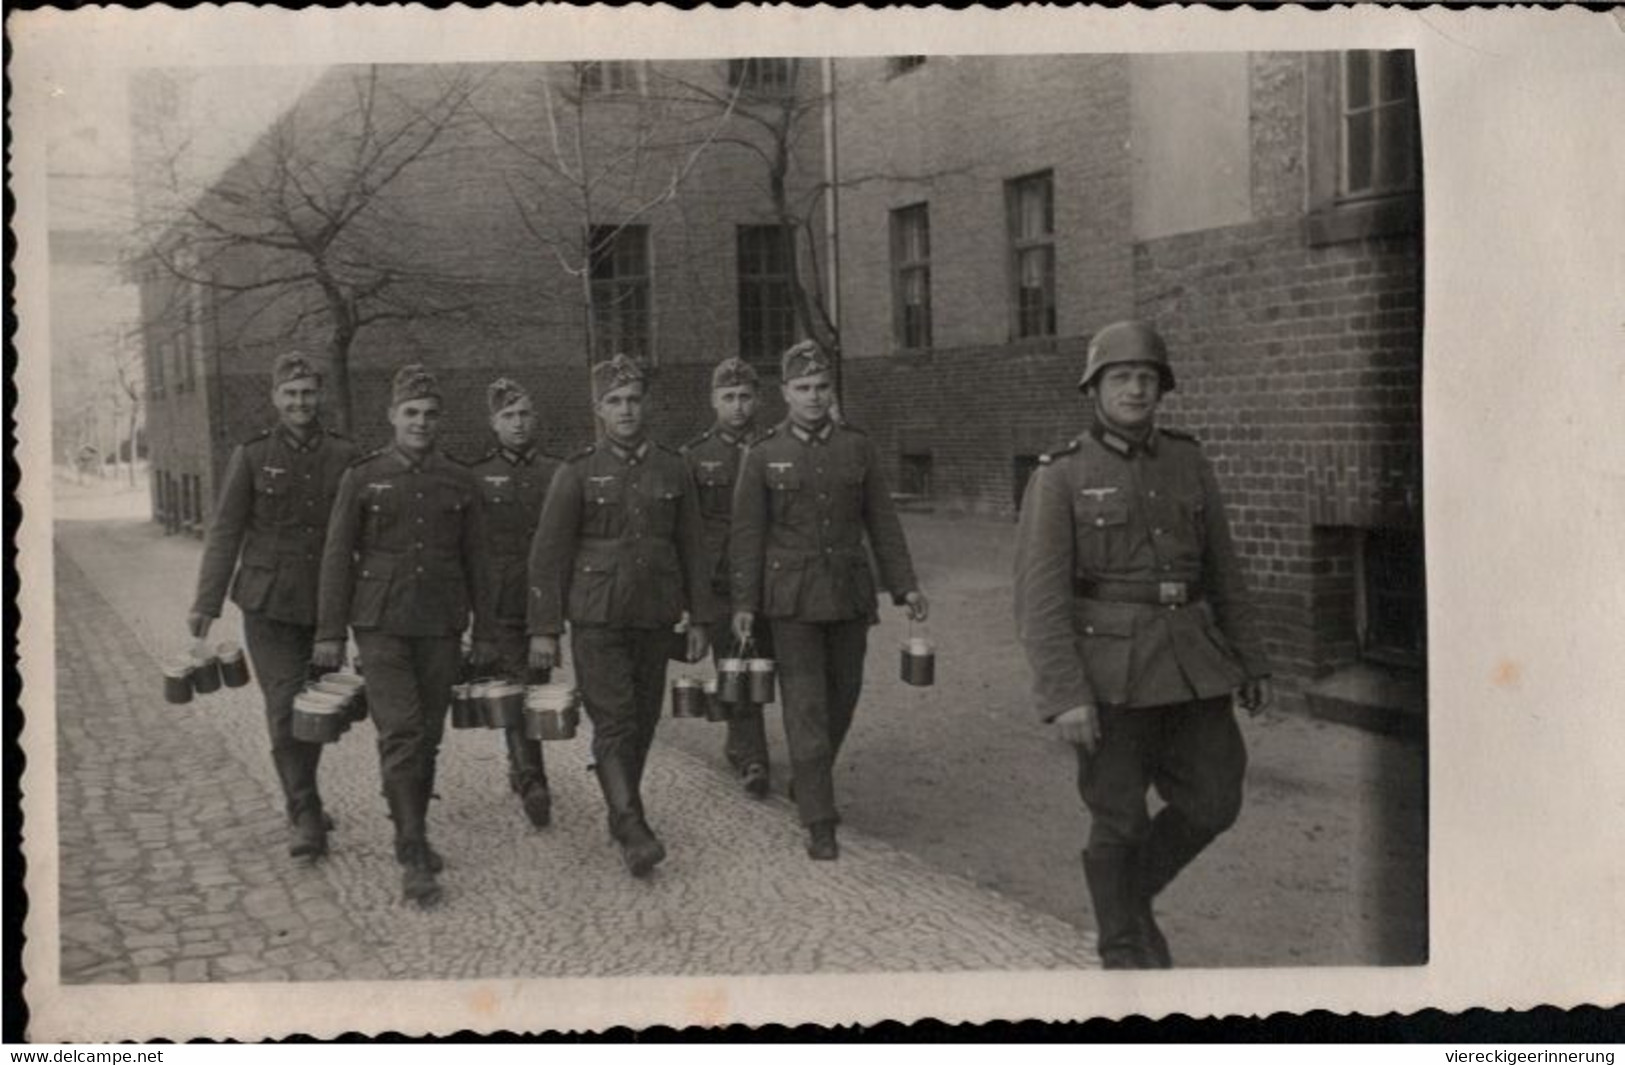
[[513, 485], [802, 506], [406, 550], [620, 543], [714, 458], [1128, 591], [273, 509]]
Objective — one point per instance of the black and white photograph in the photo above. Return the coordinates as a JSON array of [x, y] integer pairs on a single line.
[[764, 523]]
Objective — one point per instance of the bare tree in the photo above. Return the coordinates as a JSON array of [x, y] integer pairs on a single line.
[[304, 236], [785, 110], [601, 156]]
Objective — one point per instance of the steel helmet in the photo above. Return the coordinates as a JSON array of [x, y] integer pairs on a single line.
[[1127, 341]]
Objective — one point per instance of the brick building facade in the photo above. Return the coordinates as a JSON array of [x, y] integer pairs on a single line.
[[1263, 209]]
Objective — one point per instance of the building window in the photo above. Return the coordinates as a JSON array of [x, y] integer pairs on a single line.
[[914, 475], [1365, 173], [1392, 597], [157, 362], [911, 276], [902, 64], [1031, 205], [1379, 124], [608, 76], [761, 75], [621, 291], [767, 314]]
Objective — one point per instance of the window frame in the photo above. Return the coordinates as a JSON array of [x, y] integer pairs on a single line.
[[764, 349], [1337, 214], [1368, 627], [612, 340], [631, 71], [1020, 246], [746, 75], [903, 268]]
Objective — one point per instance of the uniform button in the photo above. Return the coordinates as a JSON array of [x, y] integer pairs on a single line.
[[1152, 493], [828, 550], [420, 545], [1089, 630], [1156, 532], [1100, 521], [420, 495], [420, 569], [420, 521]]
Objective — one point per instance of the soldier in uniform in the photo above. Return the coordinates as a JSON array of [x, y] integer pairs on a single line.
[[808, 493], [268, 529], [619, 554], [713, 458], [1132, 610], [404, 567], [513, 477]]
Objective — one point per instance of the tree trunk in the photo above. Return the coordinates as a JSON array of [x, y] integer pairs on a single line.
[[342, 403], [135, 411]]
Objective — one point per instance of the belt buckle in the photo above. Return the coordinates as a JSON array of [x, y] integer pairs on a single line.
[[1173, 593]]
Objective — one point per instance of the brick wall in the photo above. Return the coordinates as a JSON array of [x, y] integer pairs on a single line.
[[1300, 369]]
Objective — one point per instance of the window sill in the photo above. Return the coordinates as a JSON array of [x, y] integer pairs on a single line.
[[1372, 697], [913, 356], [1388, 216]]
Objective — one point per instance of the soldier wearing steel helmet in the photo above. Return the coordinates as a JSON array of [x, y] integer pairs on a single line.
[[1139, 630]]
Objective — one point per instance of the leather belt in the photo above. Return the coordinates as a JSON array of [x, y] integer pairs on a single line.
[[1153, 593]]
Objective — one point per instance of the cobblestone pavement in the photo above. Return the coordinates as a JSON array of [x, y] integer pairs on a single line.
[[174, 864]]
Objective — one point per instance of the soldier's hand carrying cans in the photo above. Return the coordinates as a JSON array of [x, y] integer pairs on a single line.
[[919, 608], [327, 654], [544, 652]]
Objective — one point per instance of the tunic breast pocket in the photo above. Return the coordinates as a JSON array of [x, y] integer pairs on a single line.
[[1102, 529], [784, 486], [661, 501]]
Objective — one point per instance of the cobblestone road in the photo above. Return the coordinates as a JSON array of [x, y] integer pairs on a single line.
[[174, 865]]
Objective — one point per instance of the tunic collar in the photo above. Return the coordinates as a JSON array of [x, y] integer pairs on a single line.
[[630, 455], [820, 434], [413, 464], [310, 443], [517, 458], [1120, 444], [733, 439]]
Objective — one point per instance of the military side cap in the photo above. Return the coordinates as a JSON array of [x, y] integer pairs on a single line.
[[503, 393], [1127, 341], [614, 373], [803, 360], [413, 382], [733, 373], [291, 366]]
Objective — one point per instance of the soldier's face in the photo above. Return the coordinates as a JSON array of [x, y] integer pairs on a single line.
[[417, 423], [735, 407], [809, 398], [1126, 395], [621, 413], [515, 424], [298, 402]]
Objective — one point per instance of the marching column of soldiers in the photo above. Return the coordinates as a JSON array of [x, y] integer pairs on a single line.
[[748, 541]]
